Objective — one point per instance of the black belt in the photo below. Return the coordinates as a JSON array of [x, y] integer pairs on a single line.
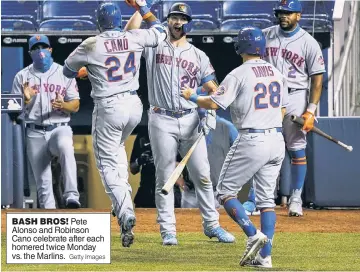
[[252, 130], [176, 114], [46, 128]]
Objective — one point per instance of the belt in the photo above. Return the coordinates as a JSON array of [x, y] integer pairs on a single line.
[[46, 128], [176, 114], [266, 131], [126, 93]]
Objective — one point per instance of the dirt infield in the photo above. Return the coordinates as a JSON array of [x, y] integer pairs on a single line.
[[189, 220]]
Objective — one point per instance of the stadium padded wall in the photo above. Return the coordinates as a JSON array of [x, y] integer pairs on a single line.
[[333, 178]]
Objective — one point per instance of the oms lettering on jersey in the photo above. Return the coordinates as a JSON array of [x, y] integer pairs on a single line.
[[183, 63], [286, 54]]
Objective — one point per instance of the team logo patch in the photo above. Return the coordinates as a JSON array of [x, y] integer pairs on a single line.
[[283, 2], [182, 8], [220, 90], [321, 60], [38, 38]]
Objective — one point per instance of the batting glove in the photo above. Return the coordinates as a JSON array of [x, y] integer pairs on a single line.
[[309, 117]]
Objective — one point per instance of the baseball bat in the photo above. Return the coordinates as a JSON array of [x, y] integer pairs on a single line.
[[179, 168], [300, 121]]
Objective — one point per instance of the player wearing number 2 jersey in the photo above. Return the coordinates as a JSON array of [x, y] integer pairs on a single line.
[[295, 53], [112, 60], [257, 95], [174, 121]]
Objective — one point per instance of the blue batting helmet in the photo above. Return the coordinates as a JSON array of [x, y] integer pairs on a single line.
[[108, 16], [250, 40], [288, 5], [182, 9]]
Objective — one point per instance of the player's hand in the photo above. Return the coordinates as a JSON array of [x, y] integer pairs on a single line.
[[186, 92], [309, 119], [82, 73], [28, 91], [58, 103]]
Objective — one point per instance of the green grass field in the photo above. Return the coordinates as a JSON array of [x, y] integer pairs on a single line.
[[292, 251]]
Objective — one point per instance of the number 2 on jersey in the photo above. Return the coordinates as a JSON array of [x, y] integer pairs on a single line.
[[263, 91], [115, 64]]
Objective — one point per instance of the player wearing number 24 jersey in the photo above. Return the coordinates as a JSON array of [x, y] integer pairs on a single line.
[[112, 60]]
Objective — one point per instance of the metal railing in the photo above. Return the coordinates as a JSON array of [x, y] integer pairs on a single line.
[[345, 98]]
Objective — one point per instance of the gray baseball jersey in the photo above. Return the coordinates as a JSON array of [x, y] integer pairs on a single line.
[[39, 110], [297, 57], [254, 91], [115, 59], [41, 145], [170, 68]]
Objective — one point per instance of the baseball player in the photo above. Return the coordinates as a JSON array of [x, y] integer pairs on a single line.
[[257, 94], [50, 98], [295, 53], [112, 61], [174, 122]]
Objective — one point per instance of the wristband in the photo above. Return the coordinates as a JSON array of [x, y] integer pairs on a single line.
[[311, 108], [145, 12], [193, 97]]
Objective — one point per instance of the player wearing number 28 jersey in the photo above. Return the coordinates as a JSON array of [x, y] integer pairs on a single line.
[[256, 93]]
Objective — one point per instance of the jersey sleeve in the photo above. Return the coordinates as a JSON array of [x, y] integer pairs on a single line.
[[79, 58], [314, 59], [285, 100], [17, 85], [207, 70], [72, 91], [227, 91]]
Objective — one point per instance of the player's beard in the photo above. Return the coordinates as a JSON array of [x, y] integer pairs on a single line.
[[175, 34], [286, 25]]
